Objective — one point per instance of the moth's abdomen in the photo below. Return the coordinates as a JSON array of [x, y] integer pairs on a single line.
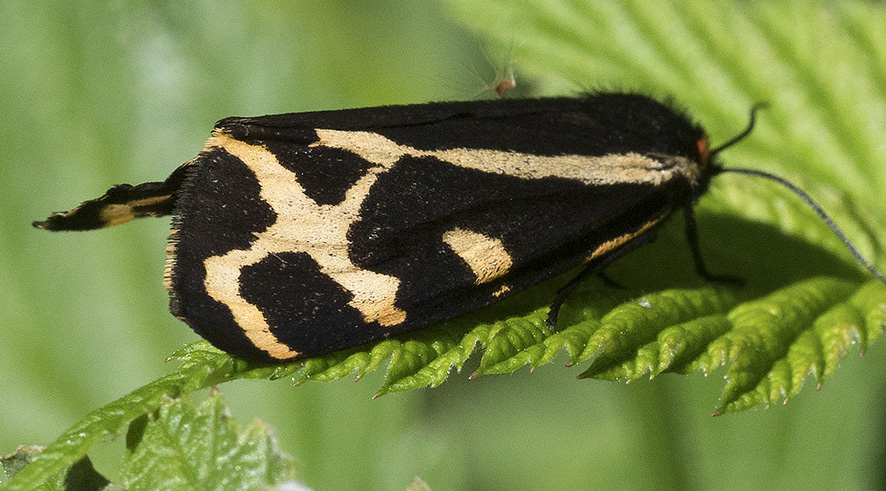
[[119, 204]]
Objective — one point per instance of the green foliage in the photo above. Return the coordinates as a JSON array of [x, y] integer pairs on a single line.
[[203, 366], [11, 464], [181, 446], [769, 345], [173, 446], [804, 308], [80, 476]]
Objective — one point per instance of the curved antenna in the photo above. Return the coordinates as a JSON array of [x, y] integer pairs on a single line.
[[747, 131], [807, 199]]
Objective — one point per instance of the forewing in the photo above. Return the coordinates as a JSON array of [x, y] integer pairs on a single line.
[[304, 234]]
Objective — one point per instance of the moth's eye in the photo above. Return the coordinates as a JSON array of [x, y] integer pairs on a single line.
[[704, 151]]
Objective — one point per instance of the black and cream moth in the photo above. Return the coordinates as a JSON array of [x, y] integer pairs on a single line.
[[296, 235]]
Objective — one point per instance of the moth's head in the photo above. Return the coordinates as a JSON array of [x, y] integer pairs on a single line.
[[704, 165], [704, 152]]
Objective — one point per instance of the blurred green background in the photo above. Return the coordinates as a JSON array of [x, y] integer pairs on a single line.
[[94, 94]]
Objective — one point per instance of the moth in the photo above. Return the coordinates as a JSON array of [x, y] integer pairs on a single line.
[[296, 235]]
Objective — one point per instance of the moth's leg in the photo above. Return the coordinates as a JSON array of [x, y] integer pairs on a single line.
[[609, 281], [596, 264], [591, 267], [700, 268]]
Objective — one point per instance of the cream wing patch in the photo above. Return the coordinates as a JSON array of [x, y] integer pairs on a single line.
[[117, 213], [595, 170], [486, 256], [302, 226], [621, 240]]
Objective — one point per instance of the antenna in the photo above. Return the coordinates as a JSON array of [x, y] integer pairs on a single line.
[[796, 190], [747, 131]]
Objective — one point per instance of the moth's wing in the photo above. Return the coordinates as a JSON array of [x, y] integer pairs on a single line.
[[458, 239], [591, 124], [297, 126], [300, 237]]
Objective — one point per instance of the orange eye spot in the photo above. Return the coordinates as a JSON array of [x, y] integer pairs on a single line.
[[704, 151]]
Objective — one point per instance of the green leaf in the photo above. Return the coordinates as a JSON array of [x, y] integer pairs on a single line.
[[202, 366], [425, 358], [181, 446], [176, 446], [12, 464], [81, 476], [769, 357], [650, 333]]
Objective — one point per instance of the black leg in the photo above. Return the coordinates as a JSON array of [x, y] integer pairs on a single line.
[[700, 268], [594, 265], [597, 264], [609, 281], [566, 290]]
